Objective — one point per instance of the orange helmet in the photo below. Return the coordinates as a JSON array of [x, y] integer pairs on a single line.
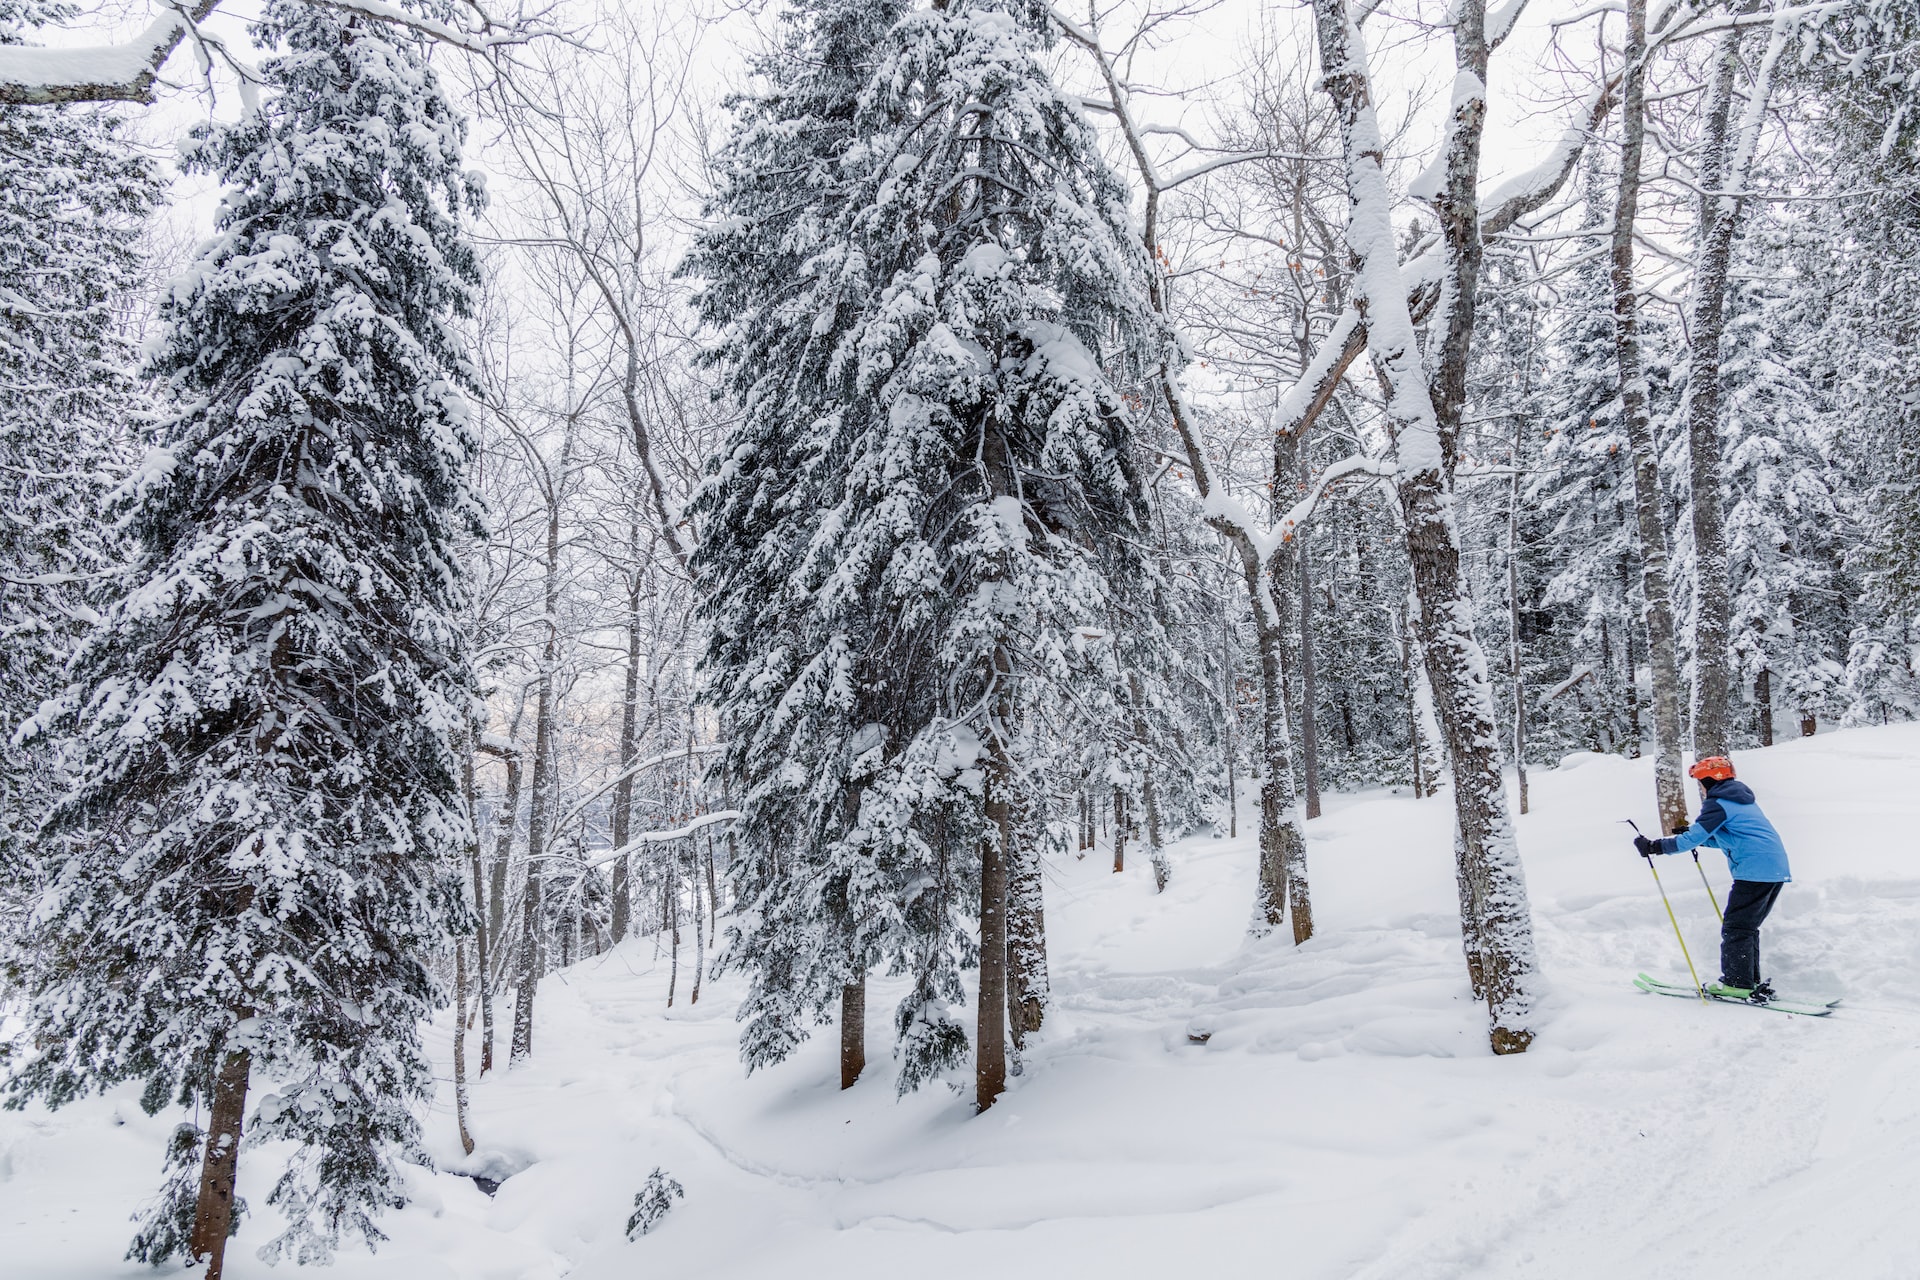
[[1716, 768]]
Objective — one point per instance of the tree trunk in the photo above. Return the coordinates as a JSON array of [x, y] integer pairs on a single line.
[[1228, 716], [503, 848], [213, 1207], [482, 936], [1713, 676], [1669, 790], [1809, 722], [1027, 982], [990, 1032], [460, 1101], [1309, 685], [1283, 863], [1763, 704], [1162, 870], [713, 896], [1513, 620], [1425, 418], [671, 906], [629, 742], [853, 1031], [1120, 825], [699, 938], [532, 921]]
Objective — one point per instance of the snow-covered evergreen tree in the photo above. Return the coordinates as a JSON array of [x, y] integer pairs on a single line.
[[924, 272], [1579, 522], [73, 194], [266, 810], [1787, 531]]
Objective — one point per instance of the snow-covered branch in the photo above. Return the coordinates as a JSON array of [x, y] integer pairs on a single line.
[[634, 770], [1302, 511], [31, 75], [646, 838]]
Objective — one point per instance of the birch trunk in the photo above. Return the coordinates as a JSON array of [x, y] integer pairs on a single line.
[[1719, 214], [629, 742], [460, 1099], [482, 936], [1513, 620], [540, 810], [503, 847], [1309, 683], [1662, 658], [1425, 416]]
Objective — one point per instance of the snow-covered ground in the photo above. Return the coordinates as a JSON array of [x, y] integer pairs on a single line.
[[1344, 1120]]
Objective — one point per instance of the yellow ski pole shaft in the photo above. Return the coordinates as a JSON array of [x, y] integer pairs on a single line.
[[1710, 898], [1675, 921]]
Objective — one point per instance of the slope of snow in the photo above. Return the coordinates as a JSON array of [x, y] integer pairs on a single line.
[[1343, 1120]]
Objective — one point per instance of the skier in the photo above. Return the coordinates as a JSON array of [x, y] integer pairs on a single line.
[[1731, 820]]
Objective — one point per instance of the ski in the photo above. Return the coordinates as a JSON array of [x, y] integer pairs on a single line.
[[1687, 991], [1687, 988]]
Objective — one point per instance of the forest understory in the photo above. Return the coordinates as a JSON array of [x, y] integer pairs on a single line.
[[1343, 1104]]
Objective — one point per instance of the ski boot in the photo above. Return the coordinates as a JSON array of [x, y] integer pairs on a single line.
[[1763, 993]]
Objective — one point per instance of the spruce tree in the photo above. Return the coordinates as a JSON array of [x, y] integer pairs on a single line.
[[924, 273], [74, 193], [266, 816]]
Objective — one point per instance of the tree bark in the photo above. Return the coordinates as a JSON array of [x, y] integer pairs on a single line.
[[460, 1100], [482, 936], [1662, 658], [1120, 825], [1283, 862], [503, 848], [1513, 619], [990, 1032], [532, 921], [1309, 685], [1149, 797], [713, 895], [629, 742], [1719, 214], [853, 1031], [213, 1207], [1229, 711], [670, 906], [1763, 703], [699, 935], [1027, 982]]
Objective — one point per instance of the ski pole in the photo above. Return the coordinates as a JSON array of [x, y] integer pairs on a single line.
[[1710, 898], [1671, 918]]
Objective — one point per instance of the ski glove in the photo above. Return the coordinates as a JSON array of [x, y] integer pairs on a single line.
[[1646, 847]]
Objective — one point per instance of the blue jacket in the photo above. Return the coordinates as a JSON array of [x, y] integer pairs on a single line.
[[1731, 822]]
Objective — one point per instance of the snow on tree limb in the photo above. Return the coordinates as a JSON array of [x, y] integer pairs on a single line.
[[646, 838], [31, 75]]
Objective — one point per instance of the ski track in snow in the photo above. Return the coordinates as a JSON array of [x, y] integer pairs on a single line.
[[1344, 1118]]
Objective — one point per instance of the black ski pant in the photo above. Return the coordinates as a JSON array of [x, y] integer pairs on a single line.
[[1747, 905]]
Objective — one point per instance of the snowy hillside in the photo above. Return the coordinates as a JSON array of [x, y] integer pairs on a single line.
[[1344, 1119]]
